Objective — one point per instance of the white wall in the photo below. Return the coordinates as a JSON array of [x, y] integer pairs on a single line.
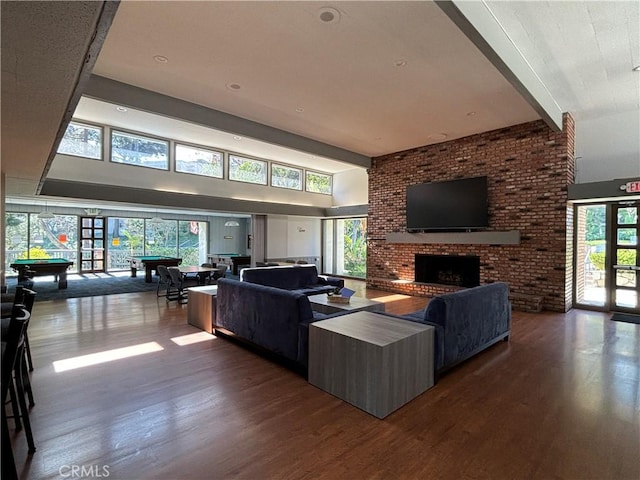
[[291, 237], [596, 139], [351, 187]]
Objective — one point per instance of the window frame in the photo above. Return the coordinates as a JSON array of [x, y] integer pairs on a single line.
[[290, 167], [315, 172], [82, 123], [143, 136], [177, 143], [252, 159]]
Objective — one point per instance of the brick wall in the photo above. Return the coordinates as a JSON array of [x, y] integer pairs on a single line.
[[528, 167]]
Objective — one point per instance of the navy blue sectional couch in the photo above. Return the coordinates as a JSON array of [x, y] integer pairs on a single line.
[[466, 322], [272, 318], [299, 278]]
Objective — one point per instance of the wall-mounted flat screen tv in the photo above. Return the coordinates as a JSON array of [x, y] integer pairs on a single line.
[[452, 205]]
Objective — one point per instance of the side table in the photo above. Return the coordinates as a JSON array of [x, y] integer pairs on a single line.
[[201, 307], [375, 362]]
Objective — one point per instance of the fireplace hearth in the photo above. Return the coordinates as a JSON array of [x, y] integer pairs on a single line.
[[456, 270]]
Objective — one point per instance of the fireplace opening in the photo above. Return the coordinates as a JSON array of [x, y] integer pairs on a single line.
[[457, 270]]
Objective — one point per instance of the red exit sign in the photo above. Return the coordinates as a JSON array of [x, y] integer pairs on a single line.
[[631, 187]]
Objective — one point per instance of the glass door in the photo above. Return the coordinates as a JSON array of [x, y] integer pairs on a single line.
[[91, 244], [625, 267], [591, 273]]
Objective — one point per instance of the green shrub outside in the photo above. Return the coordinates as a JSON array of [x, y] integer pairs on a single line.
[[34, 252], [625, 257]]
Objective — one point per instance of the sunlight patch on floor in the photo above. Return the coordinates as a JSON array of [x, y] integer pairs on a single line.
[[193, 338], [106, 356], [391, 298]]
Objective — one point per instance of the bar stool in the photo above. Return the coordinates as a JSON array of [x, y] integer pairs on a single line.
[[11, 344]]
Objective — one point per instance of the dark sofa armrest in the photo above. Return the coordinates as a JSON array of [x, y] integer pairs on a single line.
[[326, 280]]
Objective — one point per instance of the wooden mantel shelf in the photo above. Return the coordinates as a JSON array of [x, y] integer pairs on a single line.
[[511, 237]]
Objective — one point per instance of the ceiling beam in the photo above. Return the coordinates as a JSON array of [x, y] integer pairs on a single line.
[[114, 193], [123, 94], [478, 23]]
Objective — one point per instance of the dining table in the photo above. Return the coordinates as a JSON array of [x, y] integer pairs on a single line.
[[201, 273]]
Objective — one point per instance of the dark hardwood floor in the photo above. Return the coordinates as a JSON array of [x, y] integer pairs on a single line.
[[561, 400]]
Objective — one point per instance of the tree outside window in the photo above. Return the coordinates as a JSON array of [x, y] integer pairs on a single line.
[[82, 140], [319, 183]]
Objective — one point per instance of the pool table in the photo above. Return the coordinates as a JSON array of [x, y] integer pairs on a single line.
[[40, 267], [233, 260], [150, 264]]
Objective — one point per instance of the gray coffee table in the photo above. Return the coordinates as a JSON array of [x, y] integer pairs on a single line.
[[375, 362], [320, 304]]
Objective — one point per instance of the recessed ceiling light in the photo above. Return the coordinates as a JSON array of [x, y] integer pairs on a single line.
[[400, 62], [437, 136], [299, 109], [233, 86], [121, 109], [470, 114], [161, 59], [237, 137], [329, 15], [636, 68]]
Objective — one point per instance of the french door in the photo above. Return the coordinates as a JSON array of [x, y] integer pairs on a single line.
[[624, 293], [91, 244], [607, 269]]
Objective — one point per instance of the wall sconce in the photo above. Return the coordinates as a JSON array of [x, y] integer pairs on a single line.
[[231, 223], [300, 229]]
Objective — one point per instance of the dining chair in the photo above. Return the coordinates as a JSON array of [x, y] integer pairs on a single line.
[[221, 271], [177, 285], [163, 280]]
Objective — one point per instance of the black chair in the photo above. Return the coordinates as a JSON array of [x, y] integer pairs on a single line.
[[164, 279], [178, 285], [24, 298], [208, 278], [12, 342], [221, 271]]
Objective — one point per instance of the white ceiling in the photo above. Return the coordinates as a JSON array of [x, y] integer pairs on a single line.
[[344, 75], [386, 76]]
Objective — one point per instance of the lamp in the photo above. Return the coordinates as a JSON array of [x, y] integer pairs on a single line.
[[45, 213], [231, 223], [156, 218]]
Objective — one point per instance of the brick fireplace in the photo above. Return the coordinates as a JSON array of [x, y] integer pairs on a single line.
[[529, 167]]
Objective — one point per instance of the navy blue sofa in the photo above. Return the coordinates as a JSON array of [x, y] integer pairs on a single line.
[[298, 278], [274, 319], [466, 322]]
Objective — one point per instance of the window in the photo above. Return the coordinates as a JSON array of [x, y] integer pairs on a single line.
[[161, 238], [345, 247], [138, 150], [247, 170], [286, 177], [198, 161], [318, 183], [125, 239], [53, 238], [82, 141], [31, 237], [192, 242]]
